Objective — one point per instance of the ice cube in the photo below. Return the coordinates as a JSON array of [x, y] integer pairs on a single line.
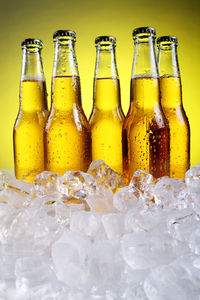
[[32, 271], [31, 223], [167, 190], [21, 226], [146, 220], [16, 192], [69, 255], [192, 179], [113, 225], [46, 184], [185, 199], [181, 223], [44, 202], [144, 183], [105, 176], [165, 283], [185, 266], [64, 211], [6, 213], [101, 201], [142, 250], [20, 186], [105, 263], [5, 178], [134, 276], [75, 183], [75, 186], [125, 199], [86, 222]]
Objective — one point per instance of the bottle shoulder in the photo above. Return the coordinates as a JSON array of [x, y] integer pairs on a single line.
[[75, 117], [31, 116], [177, 114], [115, 115], [145, 116], [26, 120]]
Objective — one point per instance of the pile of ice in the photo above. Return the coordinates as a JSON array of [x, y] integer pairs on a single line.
[[89, 236]]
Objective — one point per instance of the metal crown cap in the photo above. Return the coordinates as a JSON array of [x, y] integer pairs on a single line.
[[105, 38], [32, 42], [167, 38], [64, 33], [144, 30]]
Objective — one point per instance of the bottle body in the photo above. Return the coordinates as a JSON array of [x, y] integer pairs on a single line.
[[28, 133], [107, 117], [171, 100], [67, 132], [145, 129]]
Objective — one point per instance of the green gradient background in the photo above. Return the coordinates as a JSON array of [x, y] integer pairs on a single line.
[[39, 19]]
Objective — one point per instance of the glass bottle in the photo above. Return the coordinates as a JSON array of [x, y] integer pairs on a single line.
[[145, 129], [171, 101], [29, 126], [67, 133], [107, 117]]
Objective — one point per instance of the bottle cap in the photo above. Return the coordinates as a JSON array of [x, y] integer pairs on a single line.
[[167, 38], [144, 30], [64, 33], [105, 38], [32, 42]]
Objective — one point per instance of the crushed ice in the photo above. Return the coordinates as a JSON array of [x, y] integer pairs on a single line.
[[89, 236]]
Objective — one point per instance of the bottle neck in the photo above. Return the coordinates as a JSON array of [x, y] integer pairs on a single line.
[[33, 96], [66, 90], [106, 66], [32, 67], [170, 81], [65, 63], [168, 60], [144, 60], [106, 81], [144, 83]]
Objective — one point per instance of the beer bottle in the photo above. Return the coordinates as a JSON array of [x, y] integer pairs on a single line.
[[29, 126], [171, 101], [145, 129], [106, 119], [67, 132]]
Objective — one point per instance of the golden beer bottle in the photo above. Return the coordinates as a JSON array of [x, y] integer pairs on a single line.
[[29, 126], [145, 129], [67, 132], [171, 101], [107, 118]]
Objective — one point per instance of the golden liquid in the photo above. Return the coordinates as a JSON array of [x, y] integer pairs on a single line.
[[106, 123], [145, 131], [67, 133], [179, 126], [29, 130]]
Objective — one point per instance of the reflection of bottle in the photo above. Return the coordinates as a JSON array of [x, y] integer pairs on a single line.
[[171, 100], [67, 134], [29, 125], [106, 119], [145, 130]]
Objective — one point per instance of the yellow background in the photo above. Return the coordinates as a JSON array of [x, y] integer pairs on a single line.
[[22, 19]]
